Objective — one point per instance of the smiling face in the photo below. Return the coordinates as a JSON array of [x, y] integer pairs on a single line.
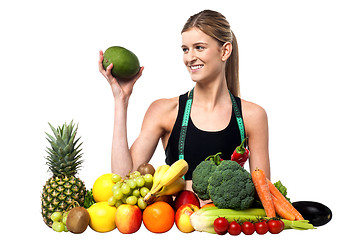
[[203, 56]]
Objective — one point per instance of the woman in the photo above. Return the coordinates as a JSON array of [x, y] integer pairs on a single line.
[[211, 57]]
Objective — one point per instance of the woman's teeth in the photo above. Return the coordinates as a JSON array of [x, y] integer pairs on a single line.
[[196, 67]]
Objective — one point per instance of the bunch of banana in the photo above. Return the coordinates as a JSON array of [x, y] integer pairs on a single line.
[[167, 180]]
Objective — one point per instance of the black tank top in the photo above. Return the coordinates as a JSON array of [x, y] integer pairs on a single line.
[[200, 144]]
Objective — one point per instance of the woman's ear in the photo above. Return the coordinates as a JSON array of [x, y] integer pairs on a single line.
[[226, 51]]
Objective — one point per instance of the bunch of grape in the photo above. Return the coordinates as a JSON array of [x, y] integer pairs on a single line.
[[59, 221], [131, 190]]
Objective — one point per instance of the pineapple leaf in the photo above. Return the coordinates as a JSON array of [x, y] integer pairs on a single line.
[[52, 139], [64, 154]]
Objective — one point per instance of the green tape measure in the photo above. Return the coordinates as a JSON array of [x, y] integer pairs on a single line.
[[186, 116]]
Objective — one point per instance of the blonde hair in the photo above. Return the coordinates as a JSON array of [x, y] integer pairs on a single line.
[[216, 25]]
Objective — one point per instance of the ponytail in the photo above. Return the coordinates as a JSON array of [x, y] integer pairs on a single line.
[[232, 69]]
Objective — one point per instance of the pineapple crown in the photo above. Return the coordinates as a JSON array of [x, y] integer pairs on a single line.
[[64, 154]]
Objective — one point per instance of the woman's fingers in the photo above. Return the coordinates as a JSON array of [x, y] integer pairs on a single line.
[[100, 62]]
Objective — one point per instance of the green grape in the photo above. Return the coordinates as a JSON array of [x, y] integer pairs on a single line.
[[112, 200], [140, 181], [65, 217], [125, 189], [136, 193], [116, 178], [118, 203], [132, 200], [141, 203], [116, 186], [56, 216], [65, 228], [118, 194], [144, 191], [131, 183], [136, 174], [58, 226], [148, 178]]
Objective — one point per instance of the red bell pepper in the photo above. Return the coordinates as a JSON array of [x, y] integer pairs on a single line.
[[240, 154]]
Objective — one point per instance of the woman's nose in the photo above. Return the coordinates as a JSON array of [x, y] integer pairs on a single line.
[[190, 56]]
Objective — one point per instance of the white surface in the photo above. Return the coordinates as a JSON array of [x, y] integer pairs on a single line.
[[300, 60]]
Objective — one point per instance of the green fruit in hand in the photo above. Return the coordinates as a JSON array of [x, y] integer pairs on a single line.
[[125, 63]]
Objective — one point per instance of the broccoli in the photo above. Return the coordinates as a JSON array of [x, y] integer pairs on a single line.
[[231, 186], [201, 174]]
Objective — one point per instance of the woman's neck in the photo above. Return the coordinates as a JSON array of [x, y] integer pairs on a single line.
[[211, 94]]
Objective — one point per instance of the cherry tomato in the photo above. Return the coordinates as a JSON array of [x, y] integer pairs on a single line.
[[248, 228], [261, 227], [234, 228], [275, 226], [220, 225]]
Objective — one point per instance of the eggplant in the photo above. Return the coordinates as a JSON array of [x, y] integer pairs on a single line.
[[317, 213]]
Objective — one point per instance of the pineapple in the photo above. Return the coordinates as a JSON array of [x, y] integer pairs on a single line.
[[63, 188]]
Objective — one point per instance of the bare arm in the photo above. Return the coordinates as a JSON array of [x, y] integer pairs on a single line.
[[121, 161], [256, 124]]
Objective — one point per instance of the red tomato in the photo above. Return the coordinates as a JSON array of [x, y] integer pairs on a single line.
[[248, 228], [261, 227], [275, 226], [220, 225], [234, 228]]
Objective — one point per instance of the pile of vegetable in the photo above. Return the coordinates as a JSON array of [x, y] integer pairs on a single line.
[[203, 219], [225, 182], [235, 194]]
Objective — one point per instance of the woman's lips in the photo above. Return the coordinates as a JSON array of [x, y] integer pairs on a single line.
[[195, 68]]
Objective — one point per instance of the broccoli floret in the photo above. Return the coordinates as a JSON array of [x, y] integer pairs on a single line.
[[200, 177], [231, 186]]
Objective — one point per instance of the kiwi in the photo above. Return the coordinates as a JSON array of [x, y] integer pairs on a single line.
[[146, 168], [77, 220]]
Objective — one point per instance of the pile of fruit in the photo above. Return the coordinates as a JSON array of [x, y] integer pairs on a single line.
[[158, 199]]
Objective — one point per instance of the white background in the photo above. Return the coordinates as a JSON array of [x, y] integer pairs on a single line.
[[300, 60]]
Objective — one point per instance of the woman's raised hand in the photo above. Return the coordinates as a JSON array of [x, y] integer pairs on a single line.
[[120, 87]]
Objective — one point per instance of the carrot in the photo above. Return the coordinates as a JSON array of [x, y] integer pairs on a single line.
[[282, 210], [284, 203], [260, 183]]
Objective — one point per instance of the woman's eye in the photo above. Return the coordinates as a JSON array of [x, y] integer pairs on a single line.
[[199, 47], [185, 50]]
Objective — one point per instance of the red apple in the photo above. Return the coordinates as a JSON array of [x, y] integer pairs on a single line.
[[182, 217], [185, 197], [128, 218]]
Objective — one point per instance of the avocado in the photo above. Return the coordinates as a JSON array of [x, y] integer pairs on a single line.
[[125, 62]]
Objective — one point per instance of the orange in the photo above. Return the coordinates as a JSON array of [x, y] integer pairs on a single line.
[[208, 205], [158, 217]]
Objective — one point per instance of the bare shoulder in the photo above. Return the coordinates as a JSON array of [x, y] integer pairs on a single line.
[[163, 106], [254, 116], [163, 112], [252, 110]]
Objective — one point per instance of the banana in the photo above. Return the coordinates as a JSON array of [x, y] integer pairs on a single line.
[[177, 186], [165, 175], [158, 174], [176, 170]]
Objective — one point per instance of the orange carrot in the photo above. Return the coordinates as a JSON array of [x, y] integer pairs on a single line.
[[282, 210], [285, 203], [260, 183]]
